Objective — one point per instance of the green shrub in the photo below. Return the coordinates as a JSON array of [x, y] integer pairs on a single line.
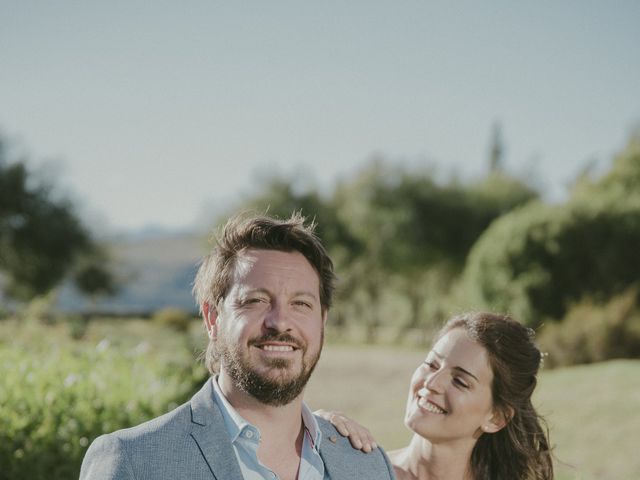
[[592, 332], [173, 317], [538, 260], [57, 395]]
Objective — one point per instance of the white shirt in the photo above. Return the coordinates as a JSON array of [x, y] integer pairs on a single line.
[[245, 439]]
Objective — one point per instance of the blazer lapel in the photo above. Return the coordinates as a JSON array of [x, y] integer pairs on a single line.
[[343, 462], [210, 433], [332, 455]]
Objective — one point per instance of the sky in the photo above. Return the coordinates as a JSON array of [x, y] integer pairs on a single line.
[[166, 113]]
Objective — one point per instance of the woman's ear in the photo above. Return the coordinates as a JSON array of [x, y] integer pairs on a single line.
[[498, 420], [210, 318]]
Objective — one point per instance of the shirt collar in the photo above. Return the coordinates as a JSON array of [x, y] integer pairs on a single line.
[[232, 419], [311, 425], [235, 423]]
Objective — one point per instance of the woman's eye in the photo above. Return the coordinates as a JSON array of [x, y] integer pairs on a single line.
[[431, 365], [460, 383]]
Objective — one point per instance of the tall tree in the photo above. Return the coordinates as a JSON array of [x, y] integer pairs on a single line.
[[496, 149], [42, 240], [418, 231]]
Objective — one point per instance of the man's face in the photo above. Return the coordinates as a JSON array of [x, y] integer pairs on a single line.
[[269, 328]]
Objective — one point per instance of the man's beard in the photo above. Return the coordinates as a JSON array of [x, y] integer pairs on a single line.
[[275, 390]]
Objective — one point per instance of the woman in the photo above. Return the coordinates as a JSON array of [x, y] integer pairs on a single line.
[[470, 407]]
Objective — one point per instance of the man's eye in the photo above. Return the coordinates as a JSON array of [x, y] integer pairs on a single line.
[[302, 303], [253, 300]]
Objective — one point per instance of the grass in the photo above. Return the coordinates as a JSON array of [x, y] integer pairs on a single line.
[[592, 410]]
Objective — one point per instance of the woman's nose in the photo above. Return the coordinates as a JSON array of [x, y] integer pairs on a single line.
[[433, 381]]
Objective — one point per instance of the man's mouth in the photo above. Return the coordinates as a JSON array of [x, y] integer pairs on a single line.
[[282, 343], [276, 348]]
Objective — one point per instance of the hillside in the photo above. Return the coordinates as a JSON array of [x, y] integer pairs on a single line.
[[158, 272]]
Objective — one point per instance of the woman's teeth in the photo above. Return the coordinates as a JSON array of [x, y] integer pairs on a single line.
[[424, 403]]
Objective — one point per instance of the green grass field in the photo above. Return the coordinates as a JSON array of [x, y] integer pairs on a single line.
[[592, 410]]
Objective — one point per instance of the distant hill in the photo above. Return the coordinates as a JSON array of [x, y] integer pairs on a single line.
[[158, 269]]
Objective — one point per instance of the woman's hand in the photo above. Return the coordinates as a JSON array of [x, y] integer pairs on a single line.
[[359, 436]]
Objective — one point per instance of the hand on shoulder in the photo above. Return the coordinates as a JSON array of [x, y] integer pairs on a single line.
[[359, 436]]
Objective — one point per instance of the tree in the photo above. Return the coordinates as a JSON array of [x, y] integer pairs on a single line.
[[42, 240], [539, 260], [279, 197], [395, 233], [496, 150], [418, 231], [622, 180]]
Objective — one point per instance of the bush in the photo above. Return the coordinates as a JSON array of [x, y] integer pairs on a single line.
[[57, 395], [175, 318], [538, 260], [593, 332]]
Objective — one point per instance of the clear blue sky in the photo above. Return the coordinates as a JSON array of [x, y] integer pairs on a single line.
[[162, 112]]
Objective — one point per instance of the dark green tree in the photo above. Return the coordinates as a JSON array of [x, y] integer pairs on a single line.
[[496, 150], [417, 231], [42, 240]]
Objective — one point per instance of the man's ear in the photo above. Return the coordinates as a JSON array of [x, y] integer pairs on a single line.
[[325, 316], [498, 420], [210, 318]]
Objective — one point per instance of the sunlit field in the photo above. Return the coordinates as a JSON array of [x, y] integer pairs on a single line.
[[592, 410], [58, 393]]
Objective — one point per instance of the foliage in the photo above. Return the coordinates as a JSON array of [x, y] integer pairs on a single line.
[[175, 318], [622, 180], [592, 332], [92, 275], [495, 195], [58, 395], [280, 198], [416, 231], [41, 237], [395, 234], [537, 260]]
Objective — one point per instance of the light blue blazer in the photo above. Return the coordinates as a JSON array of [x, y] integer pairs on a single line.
[[192, 443]]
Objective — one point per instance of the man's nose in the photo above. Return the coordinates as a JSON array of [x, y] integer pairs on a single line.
[[277, 318]]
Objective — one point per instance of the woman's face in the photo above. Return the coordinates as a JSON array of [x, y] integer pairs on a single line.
[[450, 393]]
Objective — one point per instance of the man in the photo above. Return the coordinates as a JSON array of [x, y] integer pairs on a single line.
[[264, 293]]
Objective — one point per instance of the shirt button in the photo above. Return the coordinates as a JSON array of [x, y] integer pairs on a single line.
[[248, 434]]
